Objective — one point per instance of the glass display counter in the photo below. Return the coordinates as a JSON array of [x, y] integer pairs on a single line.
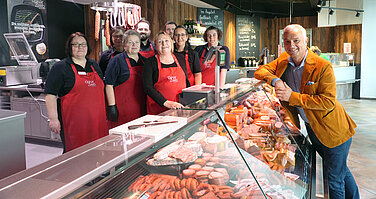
[[345, 73], [244, 146]]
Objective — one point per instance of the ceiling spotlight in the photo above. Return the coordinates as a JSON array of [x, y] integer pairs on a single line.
[[331, 12], [227, 6], [252, 15], [357, 14]]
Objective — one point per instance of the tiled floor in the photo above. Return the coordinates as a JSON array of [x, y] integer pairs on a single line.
[[362, 157], [361, 161]]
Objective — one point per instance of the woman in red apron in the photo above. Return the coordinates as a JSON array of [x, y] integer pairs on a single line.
[[124, 87], [78, 83], [212, 35], [163, 77], [183, 51]]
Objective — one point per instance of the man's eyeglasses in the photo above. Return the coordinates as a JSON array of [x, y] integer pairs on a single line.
[[79, 45]]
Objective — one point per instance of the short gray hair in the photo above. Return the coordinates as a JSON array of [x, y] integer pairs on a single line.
[[290, 27], [129, 33]]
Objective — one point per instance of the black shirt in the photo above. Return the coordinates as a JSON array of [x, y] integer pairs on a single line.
[[117, 71], [61, 78], [150, 77], [105, 57], [193, 60], [200, 50], [147, 47]]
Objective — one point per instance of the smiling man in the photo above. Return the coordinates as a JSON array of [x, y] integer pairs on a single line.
[[306, 86], [147, 47]]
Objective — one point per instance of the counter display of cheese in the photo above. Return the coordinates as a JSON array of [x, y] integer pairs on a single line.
[[237, 148]]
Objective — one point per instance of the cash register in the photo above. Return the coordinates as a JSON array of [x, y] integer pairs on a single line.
[[27, 70]]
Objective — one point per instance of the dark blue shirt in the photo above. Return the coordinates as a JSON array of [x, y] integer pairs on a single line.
[[118, 70]]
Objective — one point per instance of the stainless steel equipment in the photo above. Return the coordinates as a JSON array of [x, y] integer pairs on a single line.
[[27, 70]]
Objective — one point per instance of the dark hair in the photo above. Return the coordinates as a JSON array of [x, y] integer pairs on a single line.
[[171, 22], [186, 32], [182, 27], [219, 33], [68, 46], [142, 21]]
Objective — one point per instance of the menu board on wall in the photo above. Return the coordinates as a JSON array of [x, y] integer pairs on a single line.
[[247, 36], [211, 17]]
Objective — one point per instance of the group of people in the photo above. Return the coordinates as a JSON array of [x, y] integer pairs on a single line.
[[135, 77], [138, 76]]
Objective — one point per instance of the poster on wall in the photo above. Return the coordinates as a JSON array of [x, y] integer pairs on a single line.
[[247, 36], [211, 17], [30, 17]]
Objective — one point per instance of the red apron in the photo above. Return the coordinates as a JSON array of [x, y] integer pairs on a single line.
[[130, 97], [207, 70], [149, 53], [170, 83], [191, 78], [83, 110]]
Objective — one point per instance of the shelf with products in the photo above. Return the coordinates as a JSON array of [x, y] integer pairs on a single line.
[[206, 157]]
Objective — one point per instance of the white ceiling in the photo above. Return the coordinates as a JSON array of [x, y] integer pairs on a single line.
[[196, 3]]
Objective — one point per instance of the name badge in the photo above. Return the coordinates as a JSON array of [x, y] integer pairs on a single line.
[[81, 73]]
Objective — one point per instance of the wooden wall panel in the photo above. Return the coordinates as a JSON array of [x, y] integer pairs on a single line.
[[328, 39], [178, 11], [229, 33]]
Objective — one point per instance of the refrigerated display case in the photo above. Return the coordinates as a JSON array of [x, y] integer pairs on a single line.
[[209, 157]]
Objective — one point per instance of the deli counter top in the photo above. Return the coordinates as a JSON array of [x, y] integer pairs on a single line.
[[219, 141]]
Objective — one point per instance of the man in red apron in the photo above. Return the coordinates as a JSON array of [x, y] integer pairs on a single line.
[[147, 47], [117, 48]]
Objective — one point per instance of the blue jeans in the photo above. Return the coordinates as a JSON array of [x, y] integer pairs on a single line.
[[341, 182]]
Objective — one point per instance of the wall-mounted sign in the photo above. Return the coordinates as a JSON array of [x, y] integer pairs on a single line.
[[211, 17], [247, 36], [346, 47], [30, 18]]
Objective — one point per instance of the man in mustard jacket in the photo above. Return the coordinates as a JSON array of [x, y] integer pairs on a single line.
[[306, 86]]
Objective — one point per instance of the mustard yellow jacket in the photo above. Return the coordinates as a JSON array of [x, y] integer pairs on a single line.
[[328, 119]]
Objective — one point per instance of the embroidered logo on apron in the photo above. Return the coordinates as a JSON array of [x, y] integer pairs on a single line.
[[90, 83], [172, 78]]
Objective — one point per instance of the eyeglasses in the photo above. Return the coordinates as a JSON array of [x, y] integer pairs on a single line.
[[132, 42], [180, 35], [79, 45]]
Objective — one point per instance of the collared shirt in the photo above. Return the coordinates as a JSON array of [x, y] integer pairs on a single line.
[[118, 70], [293, 76], [105, 58]]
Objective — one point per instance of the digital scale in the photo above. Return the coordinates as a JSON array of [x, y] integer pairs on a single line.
[[27, 70]]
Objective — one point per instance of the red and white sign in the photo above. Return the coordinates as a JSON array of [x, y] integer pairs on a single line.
[[346, 47]]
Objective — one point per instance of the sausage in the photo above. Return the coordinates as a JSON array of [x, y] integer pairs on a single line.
[[177, 184], [107, 32], [125, 17], [97, 25]]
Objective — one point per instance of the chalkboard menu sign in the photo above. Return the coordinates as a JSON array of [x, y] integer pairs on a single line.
[[211, 17], [247, 36]]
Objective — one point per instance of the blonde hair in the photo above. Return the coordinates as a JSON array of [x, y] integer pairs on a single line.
[[167, 35]]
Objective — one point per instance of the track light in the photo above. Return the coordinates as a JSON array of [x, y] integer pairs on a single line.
[[252, 15], [331, 12], [227, 6], [357, 14]]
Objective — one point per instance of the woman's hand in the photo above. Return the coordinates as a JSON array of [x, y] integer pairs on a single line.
[[172, 104], [55, 126]]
